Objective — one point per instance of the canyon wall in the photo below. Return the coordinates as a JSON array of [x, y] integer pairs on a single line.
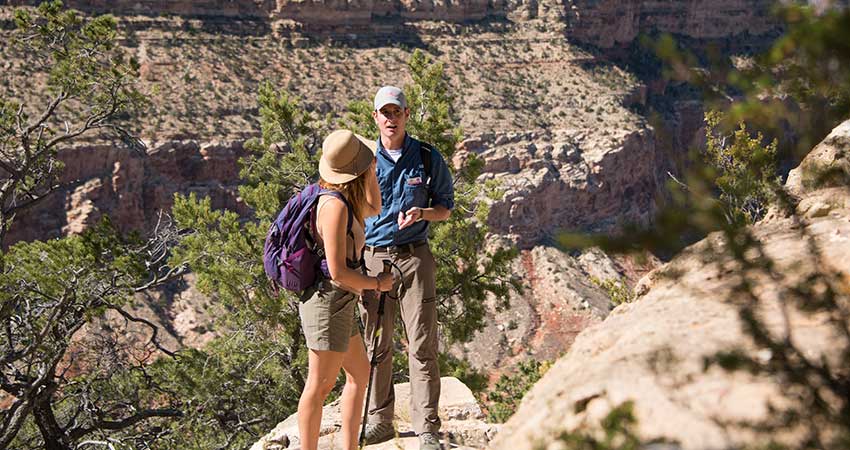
[[604, 23], [338, 12], [609, 23], [571, 180], [653, 351]]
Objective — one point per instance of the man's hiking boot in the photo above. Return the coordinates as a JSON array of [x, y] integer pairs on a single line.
[[429, 441], [379, 432]]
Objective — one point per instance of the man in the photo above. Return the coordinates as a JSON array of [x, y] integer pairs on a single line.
[[411, 199]]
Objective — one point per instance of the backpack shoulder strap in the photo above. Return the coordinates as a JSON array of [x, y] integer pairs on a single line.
[[425, 150]]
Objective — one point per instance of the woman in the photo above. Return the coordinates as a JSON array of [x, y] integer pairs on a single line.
[[328, 315]]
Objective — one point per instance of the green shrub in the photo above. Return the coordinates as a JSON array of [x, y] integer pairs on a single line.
[[742, 167], [618, 291], [505, 397]]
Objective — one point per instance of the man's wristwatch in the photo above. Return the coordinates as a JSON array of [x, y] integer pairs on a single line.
[[421, 215]]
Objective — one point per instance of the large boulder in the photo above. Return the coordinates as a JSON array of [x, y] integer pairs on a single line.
[[652, 352]]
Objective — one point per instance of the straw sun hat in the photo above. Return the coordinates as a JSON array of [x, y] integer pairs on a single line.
[[345, 156]]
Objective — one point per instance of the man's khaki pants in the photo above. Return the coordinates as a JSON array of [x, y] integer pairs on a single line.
[[418, 309]]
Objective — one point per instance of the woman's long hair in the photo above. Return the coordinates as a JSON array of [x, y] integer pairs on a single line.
[[354, 191]]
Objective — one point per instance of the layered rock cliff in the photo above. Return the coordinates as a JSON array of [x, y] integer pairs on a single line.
[[336, 12], [609, 23], [605, 23], [573, 180]]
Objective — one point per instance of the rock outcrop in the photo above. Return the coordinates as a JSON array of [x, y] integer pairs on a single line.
[[131, 188], [652, 351], [462, 427], [577, 182], [559, 301]]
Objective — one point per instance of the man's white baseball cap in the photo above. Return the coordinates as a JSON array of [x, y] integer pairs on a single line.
[[389, 95]]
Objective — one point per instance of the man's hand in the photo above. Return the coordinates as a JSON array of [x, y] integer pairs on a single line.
[[407, 218]]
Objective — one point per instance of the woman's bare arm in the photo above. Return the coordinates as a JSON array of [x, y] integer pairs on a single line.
[[373, 192]]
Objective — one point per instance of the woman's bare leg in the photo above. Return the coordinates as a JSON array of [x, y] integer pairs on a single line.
[[356, 367], [322, 371]]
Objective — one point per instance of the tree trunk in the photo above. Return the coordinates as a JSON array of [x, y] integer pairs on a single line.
[[54, 436]]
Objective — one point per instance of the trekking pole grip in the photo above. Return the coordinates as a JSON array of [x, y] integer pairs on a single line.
[[388, 266]]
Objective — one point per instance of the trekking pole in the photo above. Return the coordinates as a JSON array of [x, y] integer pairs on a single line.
[[379, 328]]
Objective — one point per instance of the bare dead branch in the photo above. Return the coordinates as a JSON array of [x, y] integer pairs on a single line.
[[154, 329], [239, 427], [51, 108], [126, 422]]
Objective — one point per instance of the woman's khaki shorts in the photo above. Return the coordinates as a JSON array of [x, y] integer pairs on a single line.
[[328, 318]]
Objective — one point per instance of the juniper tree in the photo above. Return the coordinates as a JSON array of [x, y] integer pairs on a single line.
[[90, 88], [51, 291]]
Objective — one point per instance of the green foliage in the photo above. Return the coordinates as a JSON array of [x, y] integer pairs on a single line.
[[82, 58], [505, 397], [618, 291], [745, 169], [358, 118], [451, 366], [233, 390], [233, 271], [50, 291], [225, 251], [284, 159], [431, 116]]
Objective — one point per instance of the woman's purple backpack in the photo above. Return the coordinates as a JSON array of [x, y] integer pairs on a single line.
[[291, 256]]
